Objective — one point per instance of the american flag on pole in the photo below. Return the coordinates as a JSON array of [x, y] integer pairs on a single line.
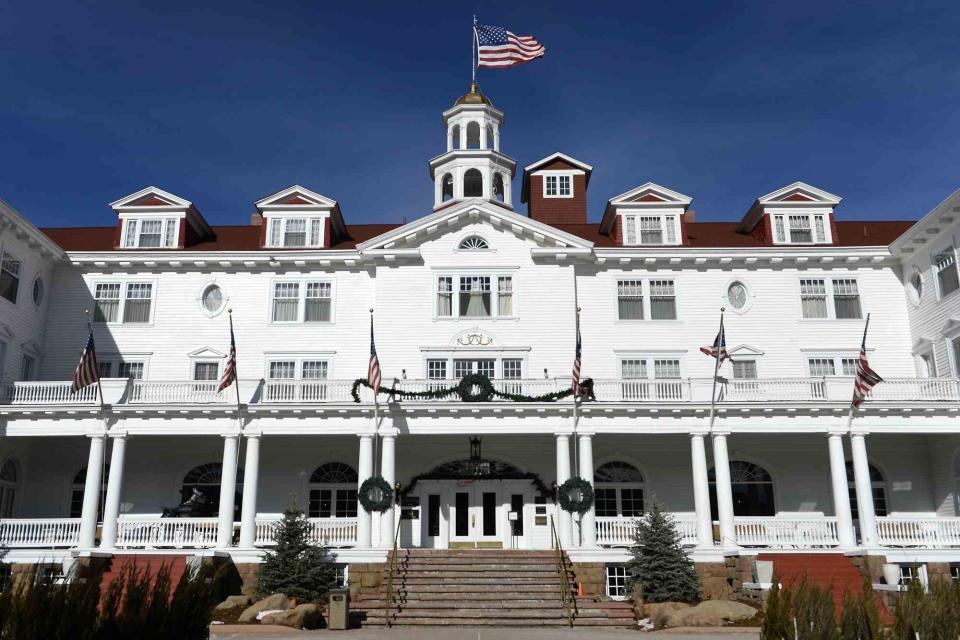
[[719, 347], [576, 363], [866, 377], [230, 369], [497, 47], [373, 370], [88, 371]]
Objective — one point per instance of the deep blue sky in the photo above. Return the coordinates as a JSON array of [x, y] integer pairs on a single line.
[[223, 103]]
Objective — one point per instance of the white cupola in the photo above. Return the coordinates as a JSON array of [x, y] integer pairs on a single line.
[[472, 166]]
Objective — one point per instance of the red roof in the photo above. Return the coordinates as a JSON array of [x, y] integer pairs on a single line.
[[851, 233]]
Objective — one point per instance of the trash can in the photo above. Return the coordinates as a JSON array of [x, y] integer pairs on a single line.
[[338, 612]]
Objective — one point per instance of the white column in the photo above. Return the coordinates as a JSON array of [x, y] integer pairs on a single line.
[[588, 521], [111, 508], [483, 137], [861, 478], [701, 490], [388, 469], [228, 491], [248, 508], [564, 522], [91, 493], [507, 191], [364, 471], [841, 494], [721, 470]]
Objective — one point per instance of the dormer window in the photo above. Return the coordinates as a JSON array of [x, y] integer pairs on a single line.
[[650, 230], [801, 228], [558, 185], [150, 233], [295, 232]]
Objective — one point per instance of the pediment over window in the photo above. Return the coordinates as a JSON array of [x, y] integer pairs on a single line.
[[647, 199], [922, 345], [295, 197], [800, 193], [744, 350], [206, 352], [151, 198], [952, 326]]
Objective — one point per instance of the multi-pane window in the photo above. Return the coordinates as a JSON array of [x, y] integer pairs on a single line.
[[945, 267], [282, 369], [129, 303], [437, 369], [828, 365], [557, 186], [10, 277], [314, 370], [512, 368], [206, 371], [631, 368], [150, 233], [665, 369], [659, 303], [800, 228], [649, 377], [482, 366], [28, 367], [744, 369], [616, 581], [297, 379], [302, 301], [837, 298], [650, 230], [442, 368], [294, 232], [477, 296], [130, 369]]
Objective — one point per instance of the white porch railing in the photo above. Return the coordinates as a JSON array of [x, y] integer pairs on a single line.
[[674, 390], [330, 532], [311, 391], [199, 392], [617, 531], [913, 389], [760, 390], [918, 532], [154, 532], [45, 393], [787, 533], [39, 532]]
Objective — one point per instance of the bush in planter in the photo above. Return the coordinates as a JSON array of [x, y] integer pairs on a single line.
[[296, 566], [659, 568]]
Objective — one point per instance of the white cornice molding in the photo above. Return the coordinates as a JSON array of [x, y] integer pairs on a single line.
[[28, 233], [930, 226], [211, 260]]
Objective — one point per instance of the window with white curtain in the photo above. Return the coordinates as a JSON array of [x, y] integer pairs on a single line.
[[294, 232], [813, 298], [801, 228], [318, 302], [833, 298], [832, 365], [638, 299], [308, 301], [475, 296], [10, 269], [651, 229], [663, 300], [151, 233], [630, 299], [123, 302], [945, 268], [744, 369], [444, 296], [505, 295], [206, 370], [846, 298]]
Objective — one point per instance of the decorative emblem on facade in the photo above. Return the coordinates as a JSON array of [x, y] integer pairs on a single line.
[[474, 339]]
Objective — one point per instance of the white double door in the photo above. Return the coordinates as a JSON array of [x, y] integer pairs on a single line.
[[475, 514]]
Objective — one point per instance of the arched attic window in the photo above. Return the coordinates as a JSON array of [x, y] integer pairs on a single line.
[[446, 187], [473, 243], [473, 135], [498, 187], [472, 184]]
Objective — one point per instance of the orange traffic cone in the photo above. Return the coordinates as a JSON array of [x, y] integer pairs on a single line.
[[579, 589]]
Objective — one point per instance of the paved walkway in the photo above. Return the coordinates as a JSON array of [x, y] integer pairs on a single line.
[[251, 632]]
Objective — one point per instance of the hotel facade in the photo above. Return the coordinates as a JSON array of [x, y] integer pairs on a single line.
[[477, 287]]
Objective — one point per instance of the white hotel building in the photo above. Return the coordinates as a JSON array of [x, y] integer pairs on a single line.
[[476, 286]]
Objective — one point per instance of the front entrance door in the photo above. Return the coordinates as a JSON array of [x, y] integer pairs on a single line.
[[475, 517]]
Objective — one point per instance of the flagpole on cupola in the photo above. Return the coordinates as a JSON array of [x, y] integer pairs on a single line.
[[473, 54]]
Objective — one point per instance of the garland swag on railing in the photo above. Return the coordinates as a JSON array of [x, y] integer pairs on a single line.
[[464, 389]]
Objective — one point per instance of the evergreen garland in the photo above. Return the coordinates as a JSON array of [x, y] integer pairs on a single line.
[[567, 491], [464, 389], [659, 566], [295, 566], [386, 494]]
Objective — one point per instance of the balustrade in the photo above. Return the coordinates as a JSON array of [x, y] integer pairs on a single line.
[[618, 531], [329, 532], [154, 532], [787, 533]]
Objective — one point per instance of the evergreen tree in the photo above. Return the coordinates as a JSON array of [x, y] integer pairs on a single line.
[[659, 566], [295, 566]]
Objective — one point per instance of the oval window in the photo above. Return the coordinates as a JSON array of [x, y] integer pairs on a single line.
[[212, 299], [737, 295], [38, 292]]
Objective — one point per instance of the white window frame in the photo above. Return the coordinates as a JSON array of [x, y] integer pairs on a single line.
[[498, 356], [935, 271], [298, 359], [114, 360], [949, 339], [557, 178], [123, 301], [34, 365], [742, 358], [494, 276], [781, 219], [612, 570], [310, 219], [5, 256], [645, 289], [668, 222], [649, 357], [828, 283], [169, 231], [302, 300], [927, 364], [193, 368], [836, 356]]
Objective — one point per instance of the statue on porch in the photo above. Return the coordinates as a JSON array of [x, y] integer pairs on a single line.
[[196, 506]]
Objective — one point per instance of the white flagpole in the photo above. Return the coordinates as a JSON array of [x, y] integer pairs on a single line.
[[863, 347], [102, 502], [721, 338]]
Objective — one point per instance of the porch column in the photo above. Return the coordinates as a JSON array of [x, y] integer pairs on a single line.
[[564, 522], [364, 471], [91, 493], [111, 508], [841, 495], [248, 509], [861, 478], [701, 490], [228, 490], [588, 521], [388, 466], [721, 470]]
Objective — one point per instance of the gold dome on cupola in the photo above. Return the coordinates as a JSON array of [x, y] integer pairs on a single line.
[[473, 97]]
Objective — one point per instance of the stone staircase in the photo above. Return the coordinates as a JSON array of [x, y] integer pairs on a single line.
[[483, 588]]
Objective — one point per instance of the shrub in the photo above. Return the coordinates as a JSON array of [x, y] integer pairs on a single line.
[[659, 566], [860, 616], [928, 615], [295, 566], [776, 614]]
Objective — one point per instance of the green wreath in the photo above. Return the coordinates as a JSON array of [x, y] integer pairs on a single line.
[[575, 495], [369, 492], [469, 381]]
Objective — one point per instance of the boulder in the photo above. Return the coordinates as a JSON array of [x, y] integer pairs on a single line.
[[303, 616], [657, 612], [234, 601], [728, 610], [693, 617], [275, 601]]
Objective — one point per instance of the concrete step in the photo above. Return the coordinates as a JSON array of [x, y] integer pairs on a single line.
[[476, 580], [444, 574], [458, 590], [462, 565]]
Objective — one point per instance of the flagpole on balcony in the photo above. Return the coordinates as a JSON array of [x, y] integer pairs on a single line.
[[863, 349], [103, 419], [236, 385], [716, 370]]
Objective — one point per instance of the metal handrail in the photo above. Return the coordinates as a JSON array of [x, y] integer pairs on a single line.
[[393, 568], [566, 595]]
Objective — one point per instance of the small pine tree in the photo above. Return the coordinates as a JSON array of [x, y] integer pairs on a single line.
[[776, 615], [659, 566], [295, 566]]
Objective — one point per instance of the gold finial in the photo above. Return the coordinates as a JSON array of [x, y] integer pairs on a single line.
[[86, 312], [474, 88]]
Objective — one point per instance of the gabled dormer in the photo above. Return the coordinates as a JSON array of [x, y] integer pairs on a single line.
[[797, 214], [156, 219], [297, 218], [647, 216]]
